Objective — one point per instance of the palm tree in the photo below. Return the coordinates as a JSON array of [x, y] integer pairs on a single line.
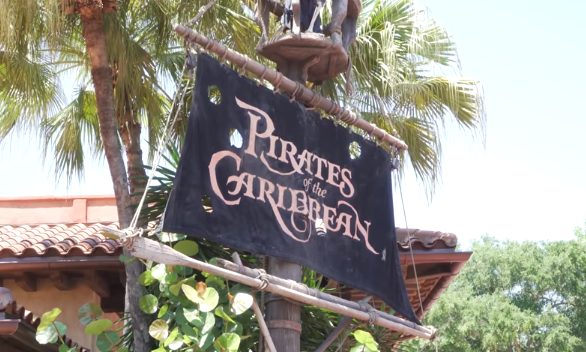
[[33, 29], [125, 57], [396, 54], [128, 52]]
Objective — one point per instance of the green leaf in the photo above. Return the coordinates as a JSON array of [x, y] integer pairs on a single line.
[[107, 341], [159, 330], [172, 336], [362, 336], [366, 339], [235, 328], [216, 282], [227, 342], [175, 288], [50, 316], [187, 247], [88, 313], [191, 294], [50, 332], [164, 309], [210, 321], [206, 341], [47, 334], [97, 327], [176, 344], [159, 272], [146, 278], [193, 316], [148, 303], [171, 278], [64, 348], [210, 299], [174, 341], [220, 312], [241, 303]]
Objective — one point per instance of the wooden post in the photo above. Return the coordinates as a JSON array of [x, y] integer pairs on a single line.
[[284, 317], [259, 316], [291, 87]]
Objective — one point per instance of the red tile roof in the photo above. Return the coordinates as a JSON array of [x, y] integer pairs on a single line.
[[423, 239], [68, 226], [67, 240], [18, 315], [56, 240]]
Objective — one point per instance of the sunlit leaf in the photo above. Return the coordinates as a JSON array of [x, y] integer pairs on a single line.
[[193, 316], [187, 247], [241, 303], [146, 278], [191, 294], [148, 303], [219, 311], [97, 327], [159, 272], [366, 339], [50, 316], [210, 321], [47, 334], [227, 342], [172, 336], [159, 330], [210, 299], [206, 341], [164, 309]]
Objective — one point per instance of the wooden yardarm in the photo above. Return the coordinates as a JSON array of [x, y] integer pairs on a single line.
[[148, 249], [296, 90]]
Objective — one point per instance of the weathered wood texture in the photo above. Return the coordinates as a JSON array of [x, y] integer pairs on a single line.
[[294, 89], [151, 250]]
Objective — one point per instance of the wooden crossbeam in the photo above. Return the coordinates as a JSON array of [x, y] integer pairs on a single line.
[[147, 249]]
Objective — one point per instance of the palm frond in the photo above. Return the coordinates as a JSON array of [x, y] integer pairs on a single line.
[[28, 89], [69, 130]]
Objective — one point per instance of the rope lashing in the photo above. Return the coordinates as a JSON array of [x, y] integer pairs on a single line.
[[262, 276], [288, 86]]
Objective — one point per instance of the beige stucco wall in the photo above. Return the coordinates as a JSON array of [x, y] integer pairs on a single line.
[[47, 297], [57, 210]]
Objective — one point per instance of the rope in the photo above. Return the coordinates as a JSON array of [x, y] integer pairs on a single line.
[[169, 123], [202, 10], [372, 315], [264, 278], [411, 250]]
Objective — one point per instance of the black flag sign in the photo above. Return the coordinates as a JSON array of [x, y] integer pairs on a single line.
[[286, 183]]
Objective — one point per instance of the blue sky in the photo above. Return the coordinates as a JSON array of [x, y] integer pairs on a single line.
[[527, 182]]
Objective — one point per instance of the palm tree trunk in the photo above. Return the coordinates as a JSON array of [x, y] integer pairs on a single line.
[[130, 133], [92, 20]]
